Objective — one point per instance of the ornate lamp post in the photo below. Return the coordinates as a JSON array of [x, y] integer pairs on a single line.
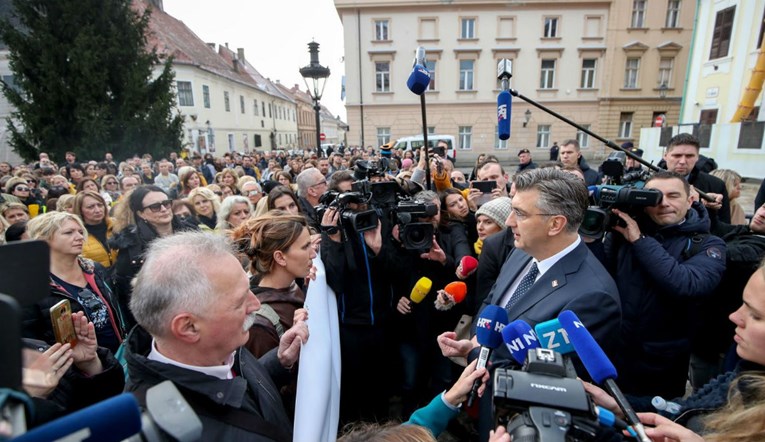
[[318, 75]]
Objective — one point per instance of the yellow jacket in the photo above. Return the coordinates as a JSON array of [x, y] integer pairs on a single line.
[[93, 249]]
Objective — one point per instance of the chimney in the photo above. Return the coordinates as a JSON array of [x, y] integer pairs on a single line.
[[240, 53], [211, 46], [236, 64]]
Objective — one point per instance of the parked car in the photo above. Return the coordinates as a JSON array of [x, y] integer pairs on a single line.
[[416, 141]]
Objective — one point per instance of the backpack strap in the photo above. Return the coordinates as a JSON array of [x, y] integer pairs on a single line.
[[695, 245], [269, 313]]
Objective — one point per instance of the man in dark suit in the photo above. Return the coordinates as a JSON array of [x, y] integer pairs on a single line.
[[560, 272]]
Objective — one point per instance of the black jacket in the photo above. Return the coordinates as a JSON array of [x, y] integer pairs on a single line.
[[591, 176], [495, 250], [663, 278], [253, 390]]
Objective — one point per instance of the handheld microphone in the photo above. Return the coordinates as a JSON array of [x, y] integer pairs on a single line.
[[114, 419], [467, 266], [421, 289], [504, 106], [599, 366], [504, 100], [488, 332], [451, 295], [552, 335], [419, 79], [519, 338]]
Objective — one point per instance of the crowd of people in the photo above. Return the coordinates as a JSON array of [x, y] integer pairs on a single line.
[[196, 270]]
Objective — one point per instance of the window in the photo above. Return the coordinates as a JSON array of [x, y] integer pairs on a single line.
[[430, 65], [10, 80], [547, 75], [673, 14], [431, 130], [665, 71], [638, 13], [231, 144], [255, 108], [551, 27], [625, 125], [226, 102], [499, 144], [241, 103], [466, 75], [721, 33], [381, 30], [185, 94], [383, 135], [582, 137], [256, 141], [382, 77], [631, 73], [708, 116], [263, 107], [467, 28], [543, 135], [270, 109], [466, 137], [588, 74], [206, 95]]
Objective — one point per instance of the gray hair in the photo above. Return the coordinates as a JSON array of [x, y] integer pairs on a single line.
[[227, 206], [174, 279], [560, 193], [305, 180], [425, 196]]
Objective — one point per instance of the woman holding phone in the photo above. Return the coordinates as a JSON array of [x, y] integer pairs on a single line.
[[72, 278]]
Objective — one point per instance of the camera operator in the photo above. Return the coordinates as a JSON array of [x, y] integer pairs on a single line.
[[667, 263], [358, 268], [422, 323]]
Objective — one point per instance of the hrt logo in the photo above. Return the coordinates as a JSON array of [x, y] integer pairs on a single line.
[[485, 323], [502, 112]]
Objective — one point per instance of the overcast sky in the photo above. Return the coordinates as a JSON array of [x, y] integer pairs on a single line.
[[274, 35]]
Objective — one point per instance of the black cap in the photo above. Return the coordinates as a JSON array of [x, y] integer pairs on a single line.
[[628, 145], [523, 151], [636, 151]]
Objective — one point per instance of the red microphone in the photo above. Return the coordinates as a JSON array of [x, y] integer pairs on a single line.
[[467, 266], [452, 294]]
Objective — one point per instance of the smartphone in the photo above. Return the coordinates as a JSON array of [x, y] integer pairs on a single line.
[[63, 327], [484, 186]]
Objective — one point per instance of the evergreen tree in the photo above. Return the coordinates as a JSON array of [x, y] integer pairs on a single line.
[[84, 82]]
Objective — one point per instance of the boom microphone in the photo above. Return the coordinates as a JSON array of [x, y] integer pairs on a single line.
[[504, 106], [599, 366], [488, 332], [114, 419], [419, 79], [519, 338], [421, 289]]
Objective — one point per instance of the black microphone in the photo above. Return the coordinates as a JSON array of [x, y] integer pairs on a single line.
[[599, 366], [419, 79], [504, 100]]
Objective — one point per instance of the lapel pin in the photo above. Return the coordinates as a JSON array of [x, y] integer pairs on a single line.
[[555, 283]]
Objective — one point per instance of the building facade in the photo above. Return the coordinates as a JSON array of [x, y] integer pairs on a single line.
[[568, 55]]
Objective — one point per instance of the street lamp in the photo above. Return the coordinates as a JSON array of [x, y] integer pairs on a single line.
[[318, 75], [527, 117], [663, 91]]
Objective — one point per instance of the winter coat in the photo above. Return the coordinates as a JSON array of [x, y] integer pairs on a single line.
[[591, 176], [263, 334], [98, 252], [661, 289], [252, 390], [710, 183]]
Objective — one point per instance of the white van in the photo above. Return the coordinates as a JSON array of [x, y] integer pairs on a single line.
[[415, 142]]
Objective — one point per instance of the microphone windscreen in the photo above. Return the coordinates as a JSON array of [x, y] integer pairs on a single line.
[[420, 290], [457, 290], [519, 338], [553, 336], [504, 107], [489, 326], [114, 419], [418, 80], [467, 266], [593, 357]]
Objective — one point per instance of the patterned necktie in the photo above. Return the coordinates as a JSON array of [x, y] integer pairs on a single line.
[[524, 286]]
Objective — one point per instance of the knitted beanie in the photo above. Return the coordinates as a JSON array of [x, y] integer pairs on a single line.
[[497, 209]]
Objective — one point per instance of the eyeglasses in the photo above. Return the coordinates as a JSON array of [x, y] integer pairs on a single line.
[[156, 207], [324, 181], [111, 182], [22, 189], [522, 215]]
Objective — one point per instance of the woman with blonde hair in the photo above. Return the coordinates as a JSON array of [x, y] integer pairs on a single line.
[[732, 181], [110, 187], [206, 205], [73, 278], [93, 211], [229, 176]]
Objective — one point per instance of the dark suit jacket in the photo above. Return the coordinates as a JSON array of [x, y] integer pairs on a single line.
[[578, 282], [495, 250]]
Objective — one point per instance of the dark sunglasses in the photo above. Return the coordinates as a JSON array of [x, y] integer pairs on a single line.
[[22, 189], [156, 207]]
